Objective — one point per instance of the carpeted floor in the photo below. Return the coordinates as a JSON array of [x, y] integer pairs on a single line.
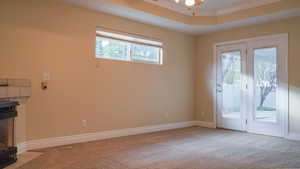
[[189, 148]]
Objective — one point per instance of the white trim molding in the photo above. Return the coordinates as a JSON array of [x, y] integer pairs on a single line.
[[243, 6], [22, 148], [293, 136], [148, 18], [180, 8], [206, 124], [66, 140]]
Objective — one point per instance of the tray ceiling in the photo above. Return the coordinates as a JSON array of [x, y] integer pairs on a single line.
[[212, 7], [214, 15]]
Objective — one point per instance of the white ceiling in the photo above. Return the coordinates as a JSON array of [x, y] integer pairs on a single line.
[[140, 16], [212, 7]]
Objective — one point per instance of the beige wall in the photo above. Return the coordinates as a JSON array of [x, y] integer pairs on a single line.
[[45, 36], [204, 109]]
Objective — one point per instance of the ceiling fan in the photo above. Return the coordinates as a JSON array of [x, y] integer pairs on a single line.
[[191, 4]]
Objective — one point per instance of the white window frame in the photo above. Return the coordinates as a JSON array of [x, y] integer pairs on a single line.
[[132, 40]]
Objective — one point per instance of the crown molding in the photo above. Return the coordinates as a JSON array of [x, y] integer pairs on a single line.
[[190, 24], [180, 8], [250, 4]]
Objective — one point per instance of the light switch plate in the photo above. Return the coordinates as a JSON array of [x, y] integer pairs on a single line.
[[46, 76]]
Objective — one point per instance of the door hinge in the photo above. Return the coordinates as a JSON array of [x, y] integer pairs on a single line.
[[246, 121]]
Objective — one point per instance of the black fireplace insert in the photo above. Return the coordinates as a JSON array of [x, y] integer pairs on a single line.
[[8, 150]]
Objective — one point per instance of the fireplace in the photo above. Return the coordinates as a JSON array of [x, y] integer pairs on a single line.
[[8, 151]]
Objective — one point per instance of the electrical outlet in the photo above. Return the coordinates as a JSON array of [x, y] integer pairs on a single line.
[[84, 123]]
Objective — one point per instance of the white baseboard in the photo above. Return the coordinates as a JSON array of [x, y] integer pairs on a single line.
[[59, 141], [21, 148], [206, 124], [293, 136]]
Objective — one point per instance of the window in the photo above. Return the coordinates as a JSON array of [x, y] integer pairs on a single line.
[[122, 47]]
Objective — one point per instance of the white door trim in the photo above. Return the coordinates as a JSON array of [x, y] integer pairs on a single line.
[[284, 36]]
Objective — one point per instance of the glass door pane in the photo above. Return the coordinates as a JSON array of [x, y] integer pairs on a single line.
[[265, 84], [231, 84]]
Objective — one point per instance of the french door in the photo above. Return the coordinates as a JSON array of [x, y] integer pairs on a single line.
[[231, 70], [252, 85]]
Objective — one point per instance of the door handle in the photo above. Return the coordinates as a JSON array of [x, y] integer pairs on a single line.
[[219, 88]]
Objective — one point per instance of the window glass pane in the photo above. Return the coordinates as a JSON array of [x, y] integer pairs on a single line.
[[112, 49], [146, 53], [128, 38], [231, 85], [265, 74], [123, 47]]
